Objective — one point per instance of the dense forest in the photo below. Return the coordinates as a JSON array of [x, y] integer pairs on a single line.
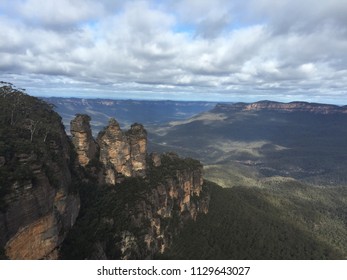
[[291, 221], [27, 125]]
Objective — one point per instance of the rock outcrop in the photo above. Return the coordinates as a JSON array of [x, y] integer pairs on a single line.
[[122, 153], [156, 159], [176, 199], [174, 194], [150, 200], [114, 152], [137, 139], [39, 204], [169, 194], [40, 210], [82, 139]]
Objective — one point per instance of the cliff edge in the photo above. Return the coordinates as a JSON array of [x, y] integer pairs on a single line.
[[295, 106], [38, 204], [142, 201], [82, 198]]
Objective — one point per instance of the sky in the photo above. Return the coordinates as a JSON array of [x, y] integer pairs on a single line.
[[216, 50]]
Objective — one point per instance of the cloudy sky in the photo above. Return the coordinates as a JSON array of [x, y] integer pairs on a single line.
[[241, 50]]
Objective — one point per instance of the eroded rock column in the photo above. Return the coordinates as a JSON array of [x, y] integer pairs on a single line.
[[114, 152], [137, 137], [82, 139]]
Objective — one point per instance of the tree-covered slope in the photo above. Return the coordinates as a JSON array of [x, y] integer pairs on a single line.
[[137, 218], [291, 222], [306, 142], [38, 201]]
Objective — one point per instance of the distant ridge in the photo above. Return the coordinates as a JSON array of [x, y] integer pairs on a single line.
[[295, 106], [147, 112]]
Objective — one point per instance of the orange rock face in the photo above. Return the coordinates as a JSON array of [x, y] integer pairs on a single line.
[[122, 153], [35, 241], [40, 210], [82, 139]]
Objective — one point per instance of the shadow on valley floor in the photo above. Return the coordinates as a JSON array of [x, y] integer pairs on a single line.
[[301, 145]]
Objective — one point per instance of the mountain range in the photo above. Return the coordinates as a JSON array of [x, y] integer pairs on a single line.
[[147, 112], [110, 190], [261, 140]]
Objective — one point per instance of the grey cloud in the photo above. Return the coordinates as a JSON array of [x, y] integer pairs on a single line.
[[208, 18], [297, 15], [208, 28], [133, 47], [62, 15]]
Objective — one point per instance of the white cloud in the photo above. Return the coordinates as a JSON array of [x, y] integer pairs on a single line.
[[220, 48], [58, 13], [210, 18], [301, 16]]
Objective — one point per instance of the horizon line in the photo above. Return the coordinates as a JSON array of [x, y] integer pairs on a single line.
[[181, 100]]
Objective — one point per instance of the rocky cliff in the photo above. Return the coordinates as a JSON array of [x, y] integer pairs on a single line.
[[82, 139], [38, 203], [177, 196], [139, 217], [137, 139], [114, 152], [284, 107], [147, 200], [121, 154], [132, 204]]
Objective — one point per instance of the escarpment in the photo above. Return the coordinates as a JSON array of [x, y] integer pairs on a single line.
[[139, 217], [155, 194], [177, 196], [38, 204], [82, 198], [296, 106]]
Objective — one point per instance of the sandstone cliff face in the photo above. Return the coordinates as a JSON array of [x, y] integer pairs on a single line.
[[114, 152], [156, 195], [82, 139], [179, 199], [176, 198], [37, 203], [284, 107], [41, 209], [122, 154], [148, 204], [137, 139], [139, 217]]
